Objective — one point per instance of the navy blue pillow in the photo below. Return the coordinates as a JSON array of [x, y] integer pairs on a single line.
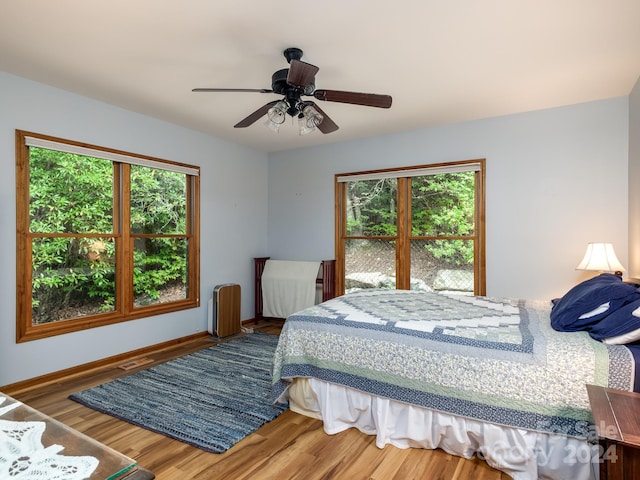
[[617, 323], [586, 297]]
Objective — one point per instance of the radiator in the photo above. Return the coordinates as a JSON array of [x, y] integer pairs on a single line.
[[224, 310]]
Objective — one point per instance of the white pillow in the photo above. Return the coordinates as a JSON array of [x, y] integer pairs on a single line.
[[625, 337], [601, 309]]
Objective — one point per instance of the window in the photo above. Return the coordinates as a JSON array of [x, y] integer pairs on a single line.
[[103, 236], [418, 228]]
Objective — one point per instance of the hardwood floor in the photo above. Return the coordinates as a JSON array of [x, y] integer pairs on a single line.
[[290, 447]]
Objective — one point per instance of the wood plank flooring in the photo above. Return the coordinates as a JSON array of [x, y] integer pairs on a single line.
[[291, 447]]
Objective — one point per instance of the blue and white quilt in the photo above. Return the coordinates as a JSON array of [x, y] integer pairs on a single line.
[[493, 360]]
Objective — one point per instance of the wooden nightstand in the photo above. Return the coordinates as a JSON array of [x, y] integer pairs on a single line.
[[617, 417]]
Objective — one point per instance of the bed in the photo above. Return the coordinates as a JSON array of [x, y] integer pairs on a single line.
[[470, 375]]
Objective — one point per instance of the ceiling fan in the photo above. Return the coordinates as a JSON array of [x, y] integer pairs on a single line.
[[293, 83]]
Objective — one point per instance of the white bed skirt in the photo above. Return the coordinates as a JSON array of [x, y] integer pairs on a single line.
[[522, 454]]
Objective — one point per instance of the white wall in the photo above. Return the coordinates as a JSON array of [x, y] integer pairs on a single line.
[[233, 219], [634, 177], [556, 180]]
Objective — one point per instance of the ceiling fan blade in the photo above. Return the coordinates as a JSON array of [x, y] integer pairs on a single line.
[[326, 125], [255, 115], [257, 90], [366, 99], [301, 74]]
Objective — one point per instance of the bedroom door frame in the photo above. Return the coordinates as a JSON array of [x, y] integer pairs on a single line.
[[403, 237]]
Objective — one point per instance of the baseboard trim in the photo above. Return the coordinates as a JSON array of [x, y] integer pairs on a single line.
[[19, 387]]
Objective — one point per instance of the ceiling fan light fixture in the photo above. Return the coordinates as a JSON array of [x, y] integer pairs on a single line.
[[276, 116], [274, 127], [309, 119], [278, 112]]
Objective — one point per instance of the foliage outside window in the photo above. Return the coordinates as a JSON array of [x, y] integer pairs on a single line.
[[416, 228], [102, 236]]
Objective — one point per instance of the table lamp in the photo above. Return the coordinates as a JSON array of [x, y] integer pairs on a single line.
[[602, 258]]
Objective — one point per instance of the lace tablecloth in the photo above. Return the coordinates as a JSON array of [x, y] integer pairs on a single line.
[[31, 442]]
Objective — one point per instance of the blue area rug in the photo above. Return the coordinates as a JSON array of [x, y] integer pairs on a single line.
[[210, 399]]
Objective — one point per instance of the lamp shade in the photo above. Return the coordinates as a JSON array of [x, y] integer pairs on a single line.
[[600, 257], [309, 119]]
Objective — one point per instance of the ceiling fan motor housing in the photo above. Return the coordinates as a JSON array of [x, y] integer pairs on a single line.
[[279, 81], [292, 94]]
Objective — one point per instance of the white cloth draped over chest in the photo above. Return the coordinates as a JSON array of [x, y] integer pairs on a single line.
[[288, 286]]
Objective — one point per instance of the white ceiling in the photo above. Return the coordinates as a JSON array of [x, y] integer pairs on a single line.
[[441, 61]]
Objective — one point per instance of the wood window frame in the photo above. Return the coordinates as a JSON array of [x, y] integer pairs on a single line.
[[124, 309], [403, 238]]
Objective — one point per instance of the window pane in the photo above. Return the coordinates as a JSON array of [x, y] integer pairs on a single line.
[[443, 204], [369, 263], [62, 200], [442, 265], [371, 207], [158, 201], [70, 208], [72, 278], [160, 270]]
